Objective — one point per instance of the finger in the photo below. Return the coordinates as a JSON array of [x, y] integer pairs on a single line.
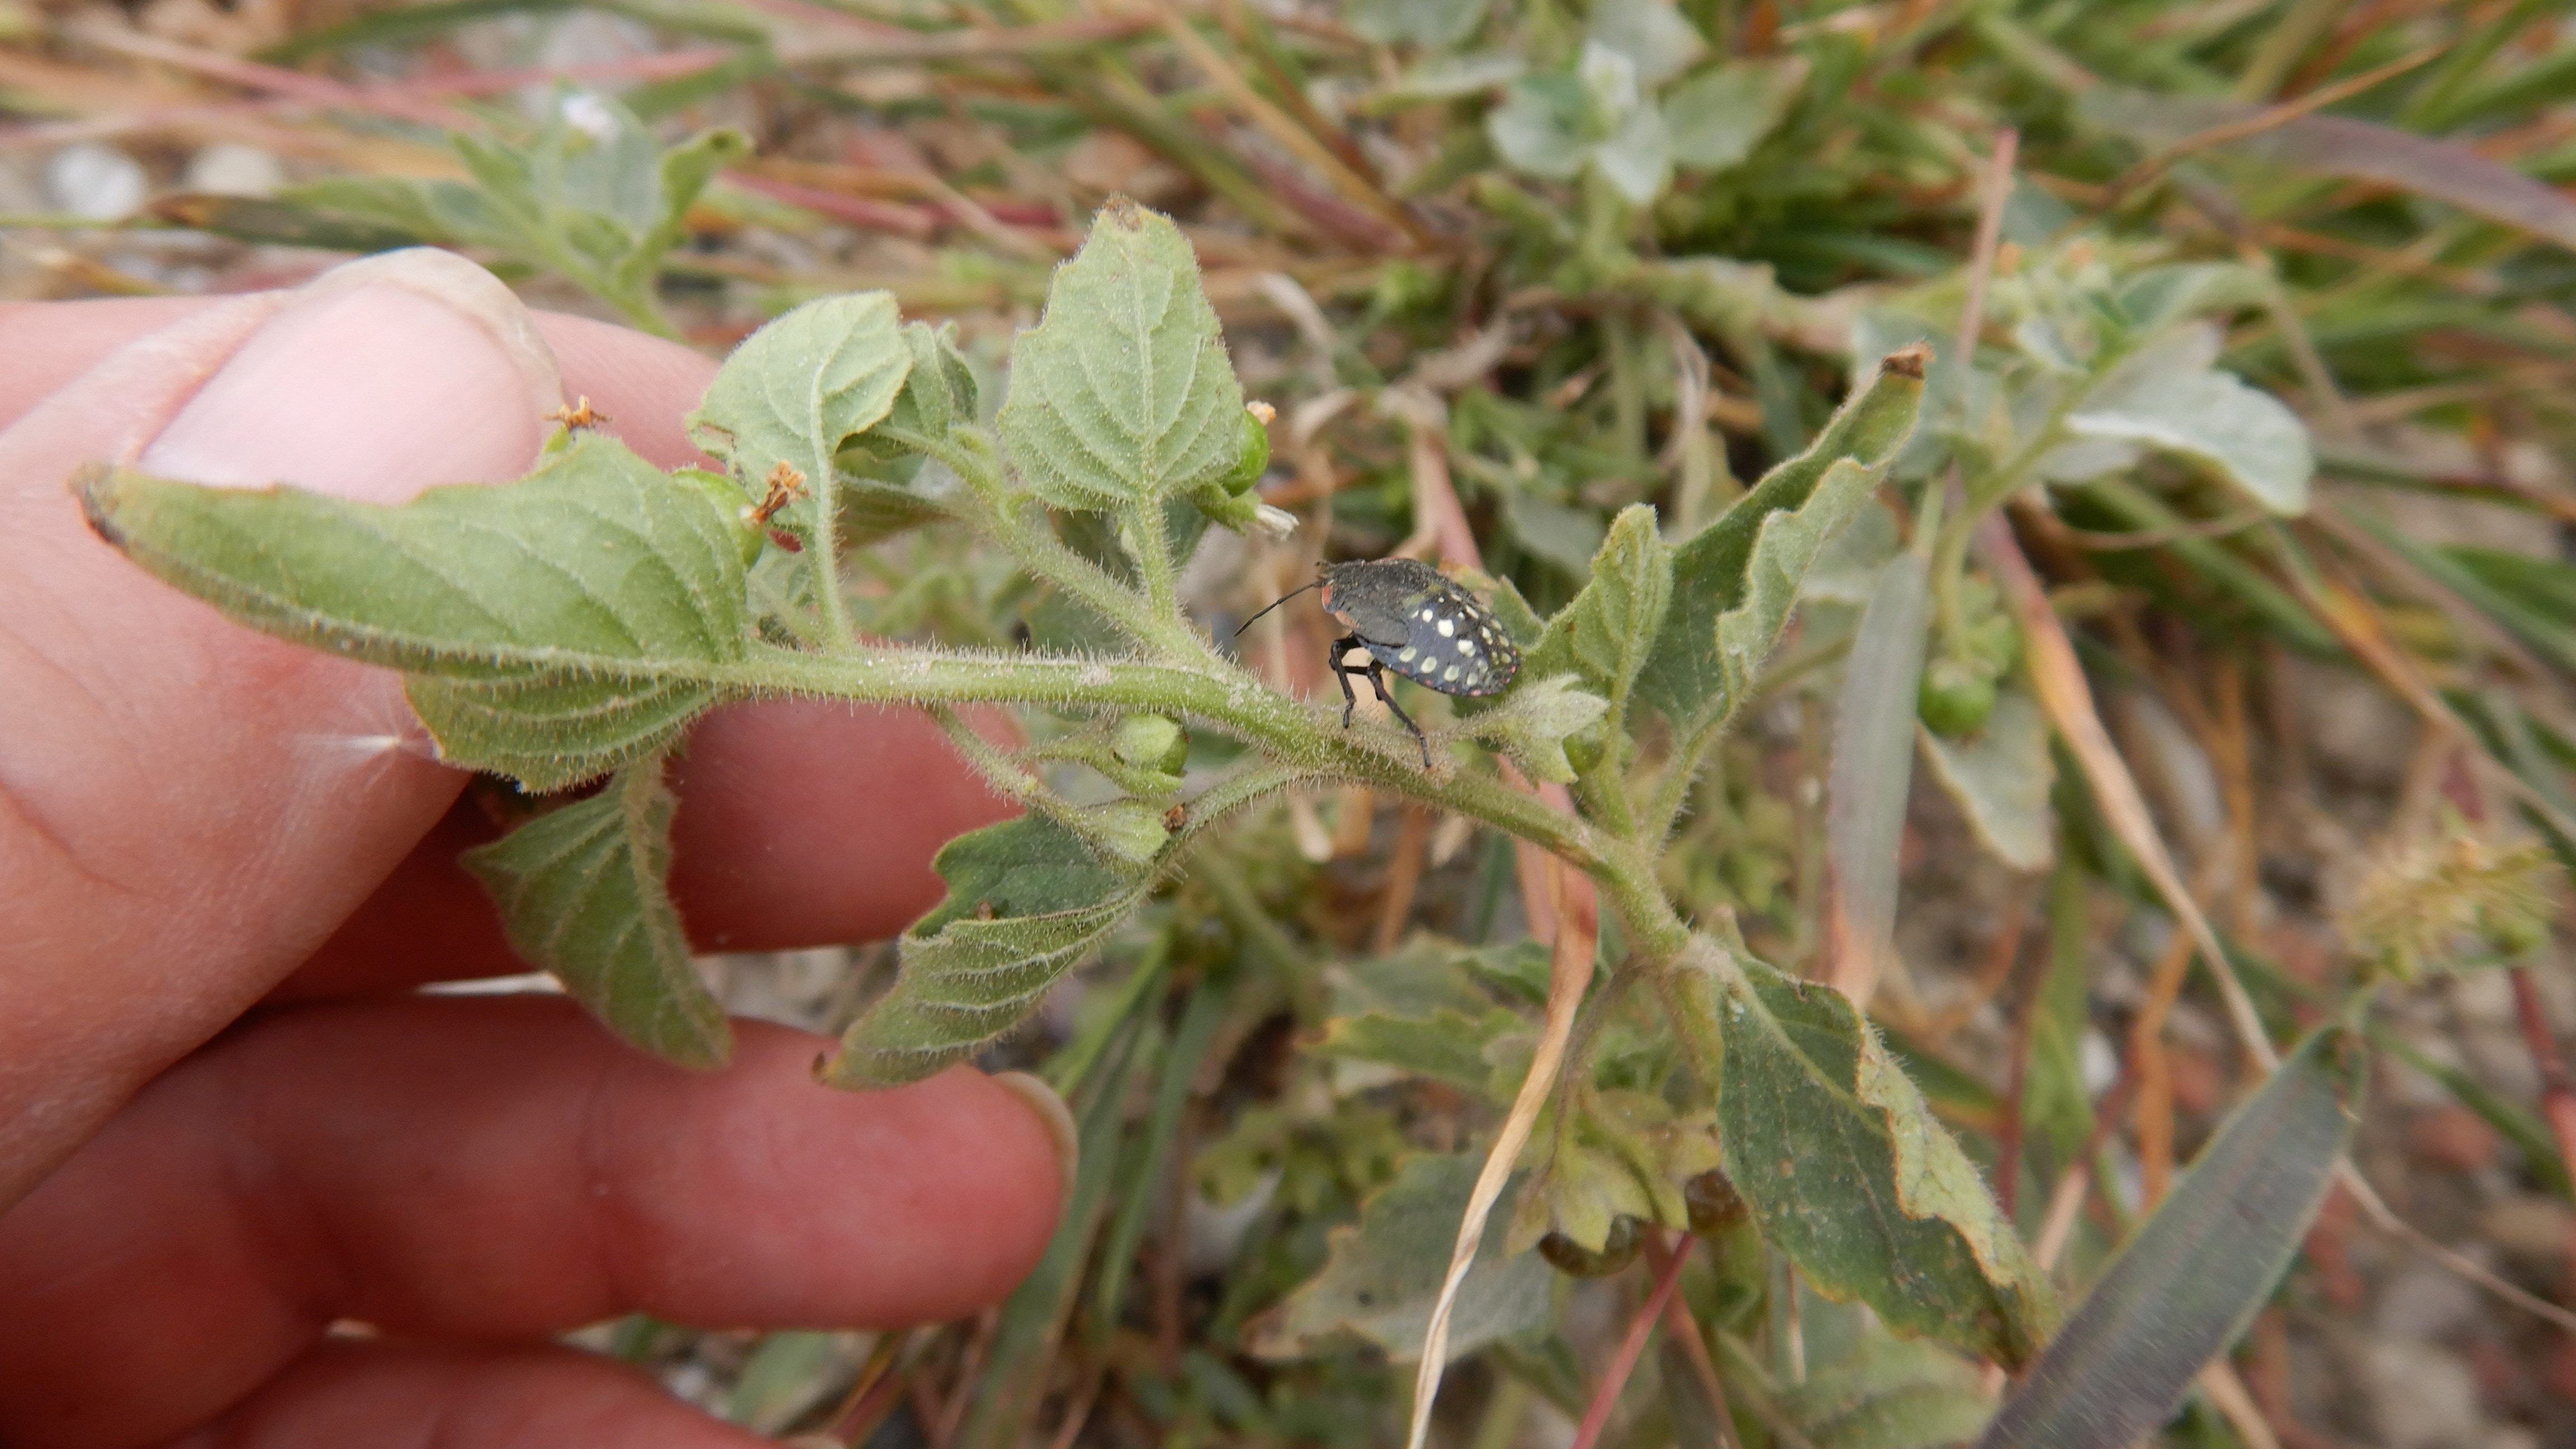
[[185, 807], [426, 1396], [801, 822], [44, 343], [494, 1168]]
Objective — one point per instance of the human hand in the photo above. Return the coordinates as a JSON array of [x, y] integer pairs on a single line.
[[204, 830]]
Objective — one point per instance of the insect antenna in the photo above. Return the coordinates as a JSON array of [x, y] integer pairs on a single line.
[[1275, 603]]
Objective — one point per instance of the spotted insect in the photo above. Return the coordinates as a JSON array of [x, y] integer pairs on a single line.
[[1413, 619]]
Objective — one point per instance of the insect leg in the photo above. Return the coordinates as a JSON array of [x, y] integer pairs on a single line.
[[1342, 673], [1377, 681]]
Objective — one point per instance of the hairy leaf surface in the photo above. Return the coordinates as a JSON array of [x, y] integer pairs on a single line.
[[552, 628], [1123, 394], [584, 893], [1027, 901], [799, 389], [1606, 632], [1736, 580], [1850, 1176]]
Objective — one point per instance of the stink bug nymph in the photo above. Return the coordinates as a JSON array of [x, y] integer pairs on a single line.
[[1409, 617]]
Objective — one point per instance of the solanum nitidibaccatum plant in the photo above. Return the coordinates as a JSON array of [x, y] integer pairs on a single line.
[[562, 631]]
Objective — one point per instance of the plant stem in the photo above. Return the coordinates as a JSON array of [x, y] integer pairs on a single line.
[[1000, 516]]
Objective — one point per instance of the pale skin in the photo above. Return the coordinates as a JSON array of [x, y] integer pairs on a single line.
[[227, 1123]]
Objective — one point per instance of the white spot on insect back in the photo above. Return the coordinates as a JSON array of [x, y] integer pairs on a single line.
[[1427, 616], [1447, 627], [1450, 674], [1466, 646], [1407, 656]]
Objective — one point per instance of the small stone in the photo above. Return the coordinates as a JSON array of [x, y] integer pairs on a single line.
[[2423, 1397], [228, 168], [2425, 1302], [94, 180]]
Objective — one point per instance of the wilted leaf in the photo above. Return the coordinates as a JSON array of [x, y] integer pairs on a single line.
[[799, 389], [1123, 394], [584, 893], [1850, 1176], [553, 628], [2001, 778], [1736, 580], [2186, 1285], [1385, 1272], [2168, 396], [1027, 901], [1718, 116]]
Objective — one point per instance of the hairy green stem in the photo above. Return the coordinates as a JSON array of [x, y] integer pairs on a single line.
[[1003, 517], [1307, 741]]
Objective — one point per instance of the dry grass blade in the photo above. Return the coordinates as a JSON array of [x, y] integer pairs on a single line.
[[1569, 975]]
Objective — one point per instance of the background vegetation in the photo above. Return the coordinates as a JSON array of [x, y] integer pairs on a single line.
[[2198, 676]]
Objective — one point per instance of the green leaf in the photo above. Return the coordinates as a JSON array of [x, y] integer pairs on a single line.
[[1385, 1272], [584, 893], [1735, 581], [2001, 777], [938, 393], [1027, 901], [553, 628], [2168, 396], [1123, 394], [2188, 1283], [799, 390], [1448, 1045], [1625, 1154], [1540, 126], [1849, 1175], [1651, 33], [1605, 633], [590, 195], [1533, 724], [1889, 1394], [1718, 116]]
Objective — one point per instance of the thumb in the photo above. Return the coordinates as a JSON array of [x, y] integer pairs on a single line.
[[186, 807]]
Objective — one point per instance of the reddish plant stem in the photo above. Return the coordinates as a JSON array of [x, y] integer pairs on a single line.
[[1685, 1331], [1631, 1348], [2025, 1023]]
